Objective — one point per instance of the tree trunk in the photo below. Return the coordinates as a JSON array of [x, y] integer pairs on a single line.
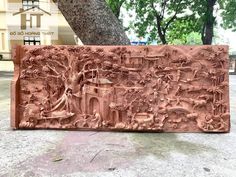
[[208, 27], [93, 22], [162, 37], [161, 33]]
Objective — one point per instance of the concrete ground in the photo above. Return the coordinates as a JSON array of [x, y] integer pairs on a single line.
[[102, 154]]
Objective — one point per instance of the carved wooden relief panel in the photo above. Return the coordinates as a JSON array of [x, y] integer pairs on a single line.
[[124, 88]]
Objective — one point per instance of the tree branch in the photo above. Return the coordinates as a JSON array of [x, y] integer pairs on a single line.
[[173, 17], [154, 9], [158, 21], [170, 21], [163, 8]]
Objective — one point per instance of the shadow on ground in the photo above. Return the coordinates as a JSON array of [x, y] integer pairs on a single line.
[[161, 145]]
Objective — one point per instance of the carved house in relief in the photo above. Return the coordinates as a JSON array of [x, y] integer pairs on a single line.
[[96, 96], [132, 61], [154, 60]]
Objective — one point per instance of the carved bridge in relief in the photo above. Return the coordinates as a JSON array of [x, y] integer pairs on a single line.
[[124, 88]]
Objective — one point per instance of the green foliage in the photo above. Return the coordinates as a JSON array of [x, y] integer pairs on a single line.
[[182, 28], [115, 6], [177, 42], [229, 14], [192, 38]]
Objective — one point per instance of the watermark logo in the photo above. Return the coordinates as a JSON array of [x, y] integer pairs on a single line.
[[37, 15], [35, 21]]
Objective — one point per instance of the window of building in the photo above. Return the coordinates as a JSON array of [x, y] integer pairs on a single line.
[[3, 41], [29, 3], [32, 40]]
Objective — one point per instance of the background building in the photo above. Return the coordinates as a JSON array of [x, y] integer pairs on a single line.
[[232, 63], [66, 36]]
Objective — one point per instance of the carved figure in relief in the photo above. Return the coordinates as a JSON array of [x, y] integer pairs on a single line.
[[130, 115], [179, 89], [97, 119], [158, 83], [167, 87], [47, 103], [206, 97], [178, 75], [155, 96], [31, 112], [198, 103]]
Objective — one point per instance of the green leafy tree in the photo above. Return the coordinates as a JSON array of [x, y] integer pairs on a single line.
[[206, 9], [167, 20], [157, 17]]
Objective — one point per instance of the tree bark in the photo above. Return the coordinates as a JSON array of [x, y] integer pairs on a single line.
[[93, 22], [162, 35], [208, 26]]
